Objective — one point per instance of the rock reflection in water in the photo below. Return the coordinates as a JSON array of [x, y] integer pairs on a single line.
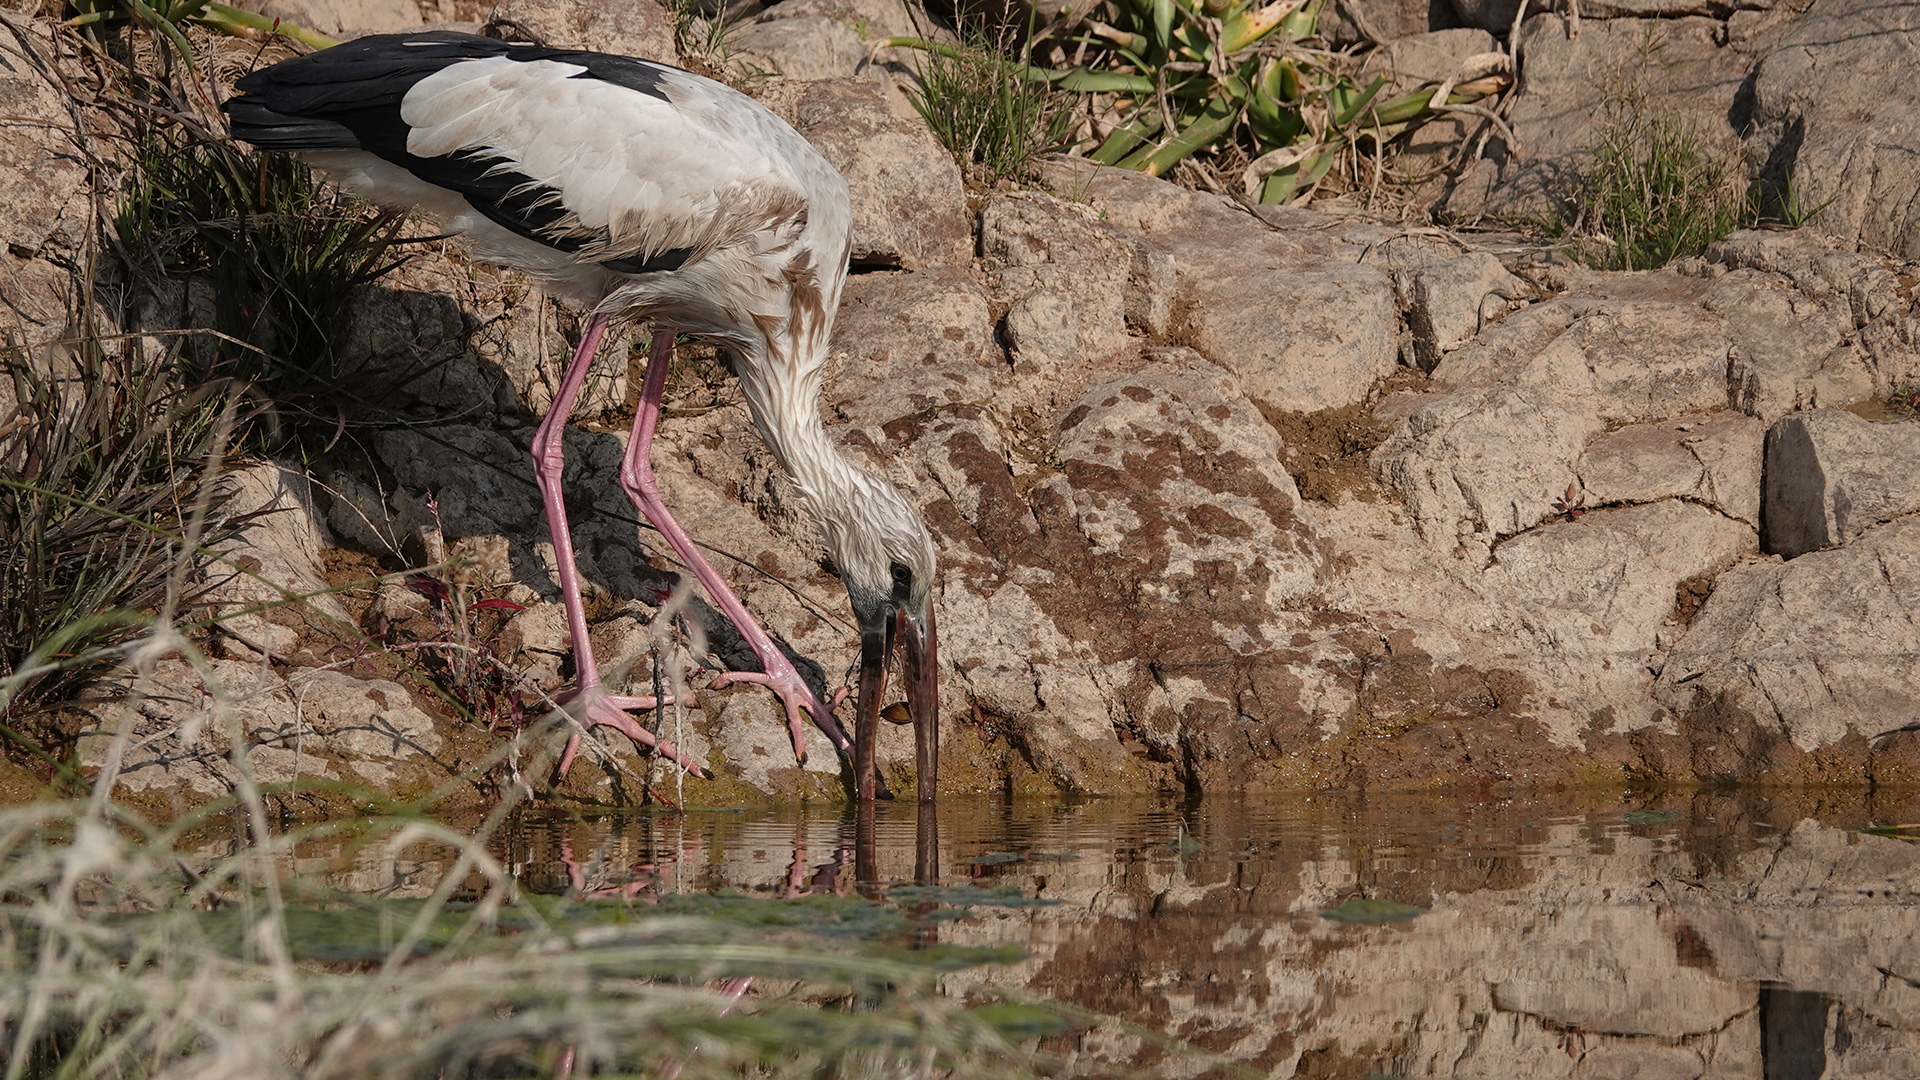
[[1713, 936]]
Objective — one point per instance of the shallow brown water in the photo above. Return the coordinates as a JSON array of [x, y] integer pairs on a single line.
[[1725, 935]]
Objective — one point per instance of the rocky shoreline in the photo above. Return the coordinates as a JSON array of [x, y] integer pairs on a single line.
[[1228, 498]]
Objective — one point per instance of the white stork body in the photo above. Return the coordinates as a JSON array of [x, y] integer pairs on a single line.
[[635, 187]]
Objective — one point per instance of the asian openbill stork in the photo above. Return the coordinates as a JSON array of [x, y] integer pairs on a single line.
[[636, 188]]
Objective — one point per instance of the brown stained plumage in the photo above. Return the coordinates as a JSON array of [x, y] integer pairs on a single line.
[[807, 311]]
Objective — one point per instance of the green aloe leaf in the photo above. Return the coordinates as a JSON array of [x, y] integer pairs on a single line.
[[1216, 120], [1127, 137], [1086, 81], [1351, 112], [1301, 24], [1239, 31]]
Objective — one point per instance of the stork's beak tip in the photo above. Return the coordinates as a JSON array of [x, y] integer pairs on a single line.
[[921, 671]]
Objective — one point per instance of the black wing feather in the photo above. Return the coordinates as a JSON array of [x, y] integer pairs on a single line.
[[348, 98]]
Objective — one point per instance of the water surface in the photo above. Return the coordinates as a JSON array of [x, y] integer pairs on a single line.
[[1728, 935]]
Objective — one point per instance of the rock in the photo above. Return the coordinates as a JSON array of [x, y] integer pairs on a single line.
[[1419, 59], [1495, 15], [371, 726], [909, 209], [343, 18], [1564, 83], [1712, 459], [1173, 485], [1065, 280], [1796, 656], [480, 481], [1484, 463], [1377, 22], [1832, 476], [314, 725], [808, 47], [1815, 326], [358, 516], [751, 737], [908, 342], [539, 641], [870, 19], [1790, 349], [1301, 337], [1290, 312], [44, 215], [1136, 435], [1844, 149], [532, 341], [1492, 458], [642, 28], [1098, 587], [278, 555], [1626, 361], [1453, 301], [1595, 597]]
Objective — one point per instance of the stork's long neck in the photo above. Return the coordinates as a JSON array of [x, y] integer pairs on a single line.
[[786, 411]]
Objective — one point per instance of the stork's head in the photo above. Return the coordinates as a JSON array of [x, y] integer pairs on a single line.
[[885, 555]]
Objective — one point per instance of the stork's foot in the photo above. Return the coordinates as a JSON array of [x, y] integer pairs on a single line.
[[794, 696], [594, 707]]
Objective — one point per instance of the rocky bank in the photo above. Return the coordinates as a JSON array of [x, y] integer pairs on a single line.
[[1227, 498]]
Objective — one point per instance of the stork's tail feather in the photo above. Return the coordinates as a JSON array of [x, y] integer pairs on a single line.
[[252, 122]]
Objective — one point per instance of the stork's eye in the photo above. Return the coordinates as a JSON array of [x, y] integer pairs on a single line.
[[902, 583]]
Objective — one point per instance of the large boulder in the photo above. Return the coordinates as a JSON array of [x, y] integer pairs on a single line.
[[1064, 278], [909, 208], [1497, 453], [1835, 117], [1787, 659], [1831, 476], [804, 48], [1303, 325], [1813, 324], [1595, 597]]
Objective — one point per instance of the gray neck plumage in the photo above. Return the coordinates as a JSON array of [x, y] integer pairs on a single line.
[[838, 494]]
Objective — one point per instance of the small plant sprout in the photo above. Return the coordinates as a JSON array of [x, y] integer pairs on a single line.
[[1573, 503]]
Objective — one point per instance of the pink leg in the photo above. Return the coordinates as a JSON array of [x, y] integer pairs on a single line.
[[595, 706], [636, 475]]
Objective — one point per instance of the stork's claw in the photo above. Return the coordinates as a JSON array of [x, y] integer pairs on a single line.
[[593, 707], [794, 696]]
